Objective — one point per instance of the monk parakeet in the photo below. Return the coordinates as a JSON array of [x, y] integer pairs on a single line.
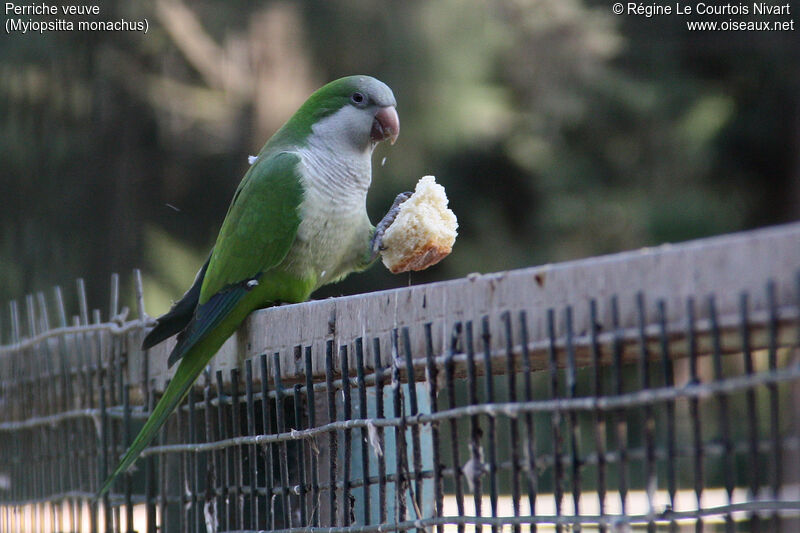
[[297, 221]]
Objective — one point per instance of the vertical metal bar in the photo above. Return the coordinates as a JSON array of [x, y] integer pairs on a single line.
[[60, 455], [532, 476], [39, 404], [82, 347], [648, 428], [139, 295], [491, 421], [31, 371], [431, 379], [620, 423], [669, 382], [347, 414], [401, 463], [555, 421], [266, 410], [774, 405], [379, 413], [332, 437], [513, 424], [51, 474], [194, 467], [113, 371], [184, 499], [150, 478], [114, 303], [10, 509], [598, 414], [238, 462], [16, 463], [752, 414], [66, 453], [67, 388], [80, 504], [210, 508], [30, 314], [15, 391], [44, 315], [728, 463], [68, 394], [100, 373], [83, 304], [146, 400], [473, 470], [34, 397], [60, 309], [126, 440], [225, 460], [575, 439], [114, 374], [301, 455], [312, 422], [252, 470], [163, 504], [103, 456], [84, 466], [13, 312], [97, 373], [414, 407], [694, 411], [281, 423], [51, 467], [16, 489], [362, 413]]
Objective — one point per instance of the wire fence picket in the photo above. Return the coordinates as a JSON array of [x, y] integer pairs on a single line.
[[652, 390]]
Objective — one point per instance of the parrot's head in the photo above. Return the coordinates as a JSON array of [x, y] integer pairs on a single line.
[[358, 110]]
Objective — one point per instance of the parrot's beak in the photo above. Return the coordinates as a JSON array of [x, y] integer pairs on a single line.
[[386, 125]]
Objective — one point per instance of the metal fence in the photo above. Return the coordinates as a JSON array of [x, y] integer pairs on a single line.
[[656, 389]]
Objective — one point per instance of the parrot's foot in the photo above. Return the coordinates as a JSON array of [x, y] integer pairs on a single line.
[[386, 221]]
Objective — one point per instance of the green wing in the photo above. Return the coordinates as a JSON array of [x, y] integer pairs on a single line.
[[257, 233], [260, 226]]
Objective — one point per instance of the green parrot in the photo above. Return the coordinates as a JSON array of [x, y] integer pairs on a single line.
[[297, 221]]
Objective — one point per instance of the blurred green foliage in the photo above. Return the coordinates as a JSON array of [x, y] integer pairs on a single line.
[[559, 130]]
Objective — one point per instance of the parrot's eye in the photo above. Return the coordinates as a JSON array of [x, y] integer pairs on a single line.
[[357, 98]]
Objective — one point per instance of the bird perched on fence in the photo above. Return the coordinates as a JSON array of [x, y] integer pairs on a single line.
[[297, 221]]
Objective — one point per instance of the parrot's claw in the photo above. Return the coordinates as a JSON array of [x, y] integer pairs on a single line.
[[386, 221]]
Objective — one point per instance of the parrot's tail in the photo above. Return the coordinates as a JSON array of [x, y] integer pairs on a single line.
[[188, 371], [213, 322]]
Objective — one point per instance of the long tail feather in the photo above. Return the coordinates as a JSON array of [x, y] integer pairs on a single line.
[[188, 371], [212, 324]]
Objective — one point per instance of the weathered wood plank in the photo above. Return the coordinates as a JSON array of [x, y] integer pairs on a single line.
[[724, 266]]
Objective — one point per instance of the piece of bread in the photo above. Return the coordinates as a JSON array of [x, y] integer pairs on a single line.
[[423, 232]]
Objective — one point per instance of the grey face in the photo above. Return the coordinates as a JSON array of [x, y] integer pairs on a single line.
[[365, 114], [376, 118]]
